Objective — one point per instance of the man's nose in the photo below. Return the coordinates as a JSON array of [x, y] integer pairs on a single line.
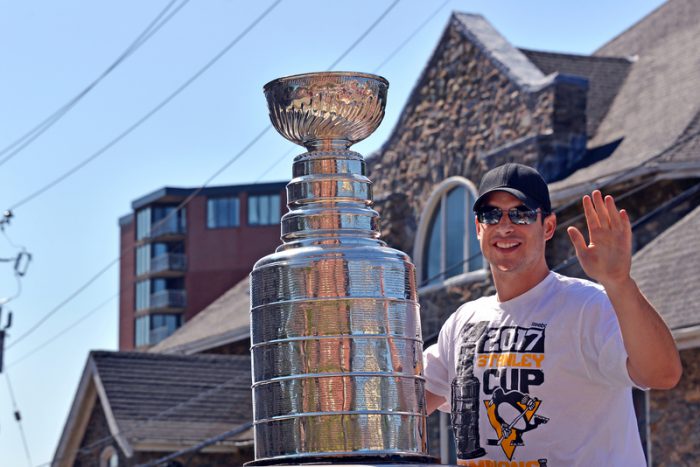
[[504, 223]]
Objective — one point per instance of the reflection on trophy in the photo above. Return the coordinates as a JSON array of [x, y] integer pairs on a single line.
[[335, 327]]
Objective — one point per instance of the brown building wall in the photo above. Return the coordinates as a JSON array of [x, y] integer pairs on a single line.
[[217, 258], [127, 269]]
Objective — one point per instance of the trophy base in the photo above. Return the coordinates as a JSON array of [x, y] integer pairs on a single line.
[[350, 460]]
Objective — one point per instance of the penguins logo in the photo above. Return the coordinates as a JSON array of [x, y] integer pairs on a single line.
[[522, 407]]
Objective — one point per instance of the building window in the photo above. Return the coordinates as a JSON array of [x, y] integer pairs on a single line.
[[159, 219], [223, 212], [151, 329], [446, 245], [263, 209], [159, 257], [143, 295]]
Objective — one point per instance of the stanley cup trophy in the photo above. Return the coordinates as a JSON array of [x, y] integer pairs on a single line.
[[335, 328]]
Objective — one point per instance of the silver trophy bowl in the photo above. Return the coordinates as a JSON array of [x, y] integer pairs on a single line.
[[335, 330], [326, 110]]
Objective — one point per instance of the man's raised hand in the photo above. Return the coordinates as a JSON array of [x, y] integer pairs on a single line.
[[607, 257]]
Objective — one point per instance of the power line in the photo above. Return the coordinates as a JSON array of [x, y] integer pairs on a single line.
[[128, 250], [196, 192], [411, 36], [200, 446], [63, 331], [573, 259], [18, 417], [695, 189], [364, 34], [148, 114], [375, 70], [23, 141], [228, 384], [62, 304]]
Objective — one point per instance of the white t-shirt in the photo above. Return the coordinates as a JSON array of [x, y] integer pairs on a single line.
[[543, 376]]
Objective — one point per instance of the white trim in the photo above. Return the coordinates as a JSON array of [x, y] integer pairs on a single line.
[[465, 278], [109, 415], [660, 170], [106, 456], [434, 202], [78, 418], [687, 338]]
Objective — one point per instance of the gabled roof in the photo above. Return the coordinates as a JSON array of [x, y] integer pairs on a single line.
[[225, 320], [666, 270], [659, 99], [605, 76], [160, 402], [503, 54]]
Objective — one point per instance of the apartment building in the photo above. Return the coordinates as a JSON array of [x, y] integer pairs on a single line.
[[176, 262]]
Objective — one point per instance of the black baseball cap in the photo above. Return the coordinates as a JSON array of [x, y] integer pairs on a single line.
[[521, 181]]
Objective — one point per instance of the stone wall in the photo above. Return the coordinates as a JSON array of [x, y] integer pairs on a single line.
[[462, 108], [674, 417]]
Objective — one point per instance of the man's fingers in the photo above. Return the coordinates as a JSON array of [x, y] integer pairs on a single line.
[[626, 225], [592, 219], [577, 240], [601, 209], [613, 213]]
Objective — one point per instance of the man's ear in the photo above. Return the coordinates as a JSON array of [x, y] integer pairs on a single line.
[[550, 225]]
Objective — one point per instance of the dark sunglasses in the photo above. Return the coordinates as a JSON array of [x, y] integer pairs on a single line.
[[522, 215]]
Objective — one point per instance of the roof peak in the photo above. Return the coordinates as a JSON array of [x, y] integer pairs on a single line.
[[505, 56]]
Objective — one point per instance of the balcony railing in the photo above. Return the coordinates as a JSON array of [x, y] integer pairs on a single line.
[[168, 299], [168, 262], [166, 228], [158, 334]]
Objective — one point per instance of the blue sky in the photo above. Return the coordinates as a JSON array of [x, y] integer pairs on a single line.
[[53, 50]]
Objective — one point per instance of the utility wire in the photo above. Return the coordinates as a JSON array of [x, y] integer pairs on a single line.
[[191, 196], [364, 34], [695, 189], [63, 331], [130, 249], [23, 141], [18, 417], [148, 114], [375, 70], [62, 304], [411, 36], [228, 384], [573, 259], [200, 446]]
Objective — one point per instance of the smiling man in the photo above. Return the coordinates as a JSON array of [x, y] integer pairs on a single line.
[[541, 373]]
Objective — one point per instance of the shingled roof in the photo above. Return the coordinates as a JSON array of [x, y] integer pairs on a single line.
[[659, 100], [605, 76], [675, 295], [169, 401], [225, 320]]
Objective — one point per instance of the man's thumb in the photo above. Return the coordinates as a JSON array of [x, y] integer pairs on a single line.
[[577, 240]]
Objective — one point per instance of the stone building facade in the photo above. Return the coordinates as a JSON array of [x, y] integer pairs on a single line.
[[481, 102]]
